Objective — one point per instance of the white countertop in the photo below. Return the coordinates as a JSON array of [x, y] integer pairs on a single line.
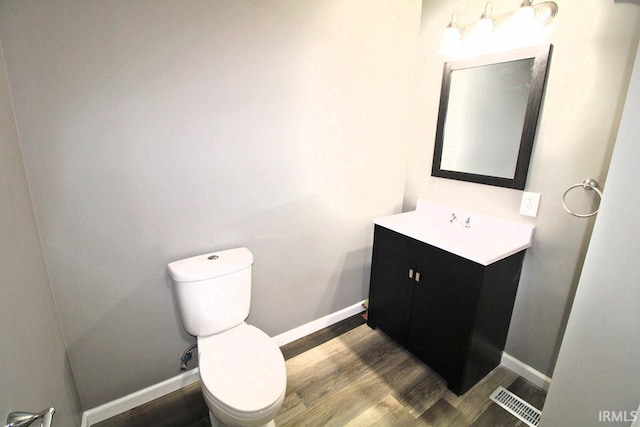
[[487, 240]]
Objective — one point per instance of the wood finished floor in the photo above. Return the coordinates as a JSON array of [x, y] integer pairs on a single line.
[[351, 375]]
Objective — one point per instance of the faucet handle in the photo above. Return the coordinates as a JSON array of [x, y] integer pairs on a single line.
[[467, 223], [453, 217]]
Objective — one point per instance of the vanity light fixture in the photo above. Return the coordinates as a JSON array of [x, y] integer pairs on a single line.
[[484, 26], [451, 40], [515, 26]]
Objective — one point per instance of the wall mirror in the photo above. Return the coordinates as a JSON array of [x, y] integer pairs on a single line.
[[488, 116]]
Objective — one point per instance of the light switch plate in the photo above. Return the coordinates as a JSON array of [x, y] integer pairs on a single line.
[[530, 204]]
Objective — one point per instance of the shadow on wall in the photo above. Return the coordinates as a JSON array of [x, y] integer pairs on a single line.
[[355, 269], [145, 316]]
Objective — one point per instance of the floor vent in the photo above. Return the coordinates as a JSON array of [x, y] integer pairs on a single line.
[[516, 406]]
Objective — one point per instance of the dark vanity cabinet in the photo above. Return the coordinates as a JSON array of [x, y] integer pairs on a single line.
[[450, 312]]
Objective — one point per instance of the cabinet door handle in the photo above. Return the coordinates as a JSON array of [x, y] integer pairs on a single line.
[[411, 273], [417, 276]]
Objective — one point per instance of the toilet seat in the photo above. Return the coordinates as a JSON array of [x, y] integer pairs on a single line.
[[242, 371]]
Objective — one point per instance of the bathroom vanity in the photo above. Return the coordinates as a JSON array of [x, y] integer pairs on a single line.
[[443, 284]]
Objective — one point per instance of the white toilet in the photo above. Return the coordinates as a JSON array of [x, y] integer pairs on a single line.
[[242, 370]]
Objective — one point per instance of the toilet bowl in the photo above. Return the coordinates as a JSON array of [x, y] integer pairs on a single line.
[[242, 375], [242, 370]]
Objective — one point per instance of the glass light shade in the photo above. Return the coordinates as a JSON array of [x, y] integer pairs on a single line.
[[451, 40], [525, 16], [483, 28]]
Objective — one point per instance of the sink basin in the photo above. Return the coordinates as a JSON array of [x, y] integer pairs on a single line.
[[487, 239]]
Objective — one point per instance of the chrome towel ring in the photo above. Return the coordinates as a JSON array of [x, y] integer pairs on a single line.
[[587, 184]]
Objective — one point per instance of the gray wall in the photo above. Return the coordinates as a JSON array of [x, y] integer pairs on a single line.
[[34, 370], [594, 45], [157, 130], [598, 366]]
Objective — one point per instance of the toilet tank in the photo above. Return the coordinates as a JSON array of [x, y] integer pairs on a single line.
[[213, 291]]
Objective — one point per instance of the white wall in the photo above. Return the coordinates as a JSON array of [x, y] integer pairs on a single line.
[[594, 43], [157, 130], [34, 370], [597, 376]]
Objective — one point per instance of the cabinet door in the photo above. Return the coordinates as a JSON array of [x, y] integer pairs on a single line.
[[442, 317], [390, 293]]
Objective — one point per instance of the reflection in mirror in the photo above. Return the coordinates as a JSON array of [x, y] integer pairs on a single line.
[[488, 116]]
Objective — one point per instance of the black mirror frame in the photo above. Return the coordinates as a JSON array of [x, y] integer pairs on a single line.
[[541, 55]]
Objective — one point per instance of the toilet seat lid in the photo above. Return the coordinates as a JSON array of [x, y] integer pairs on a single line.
[[242, 368]]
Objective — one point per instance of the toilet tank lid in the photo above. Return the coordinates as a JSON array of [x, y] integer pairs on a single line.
[[208, 266]]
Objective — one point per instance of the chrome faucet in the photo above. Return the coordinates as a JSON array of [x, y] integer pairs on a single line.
[[467, 223], [25, 419]]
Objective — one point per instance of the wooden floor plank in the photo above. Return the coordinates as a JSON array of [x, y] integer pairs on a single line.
[[182, 408], [441, 414], [307, 343], [346, 370], [358, 377], [338, 408], [388, 412], [426, 389], [475, 401], [331, 358], [493, 416], [292, 407]]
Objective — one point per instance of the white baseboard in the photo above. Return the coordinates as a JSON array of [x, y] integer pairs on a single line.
[[316, 325], [525, 371], [140, 397]]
